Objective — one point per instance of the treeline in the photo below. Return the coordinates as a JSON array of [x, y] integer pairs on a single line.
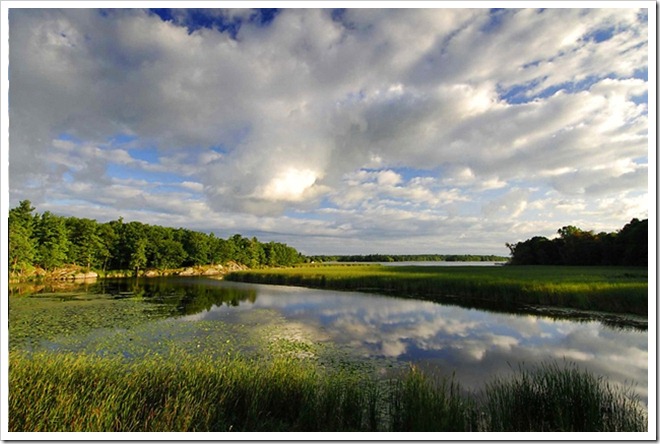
[[409, 258], [628, 246], [50, 241]]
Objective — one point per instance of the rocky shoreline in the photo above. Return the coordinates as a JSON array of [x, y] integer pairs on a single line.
[[77, 273]]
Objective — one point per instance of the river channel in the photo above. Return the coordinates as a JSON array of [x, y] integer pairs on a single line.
[[147, 316]]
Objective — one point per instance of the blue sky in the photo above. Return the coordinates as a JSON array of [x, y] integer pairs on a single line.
[[336, 130]]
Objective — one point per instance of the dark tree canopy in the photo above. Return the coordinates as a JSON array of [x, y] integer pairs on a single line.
[[628, 246]]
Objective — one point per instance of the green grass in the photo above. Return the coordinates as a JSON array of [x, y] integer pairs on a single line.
[[68, 392], [607, 289], [552, 398]]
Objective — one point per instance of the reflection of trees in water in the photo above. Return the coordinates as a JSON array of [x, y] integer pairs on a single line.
[[38, 288], [179, 297], [176, 296], [619, 322], [197, 299]]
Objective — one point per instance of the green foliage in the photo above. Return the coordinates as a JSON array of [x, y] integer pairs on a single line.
[[22, 244], [197, 248], [87, 247], [51, 241], [138, 257], [628, 247]]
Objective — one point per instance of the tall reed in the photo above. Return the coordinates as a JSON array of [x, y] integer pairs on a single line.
[[551, 398], [66, 392]]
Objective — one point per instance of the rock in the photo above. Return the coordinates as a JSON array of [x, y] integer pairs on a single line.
[[235, 266], [187, 272], [88, 275]]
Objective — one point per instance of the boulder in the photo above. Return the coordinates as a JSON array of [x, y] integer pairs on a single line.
[[87, 275]]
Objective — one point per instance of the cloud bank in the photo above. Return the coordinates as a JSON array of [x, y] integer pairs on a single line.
[[336, 131]]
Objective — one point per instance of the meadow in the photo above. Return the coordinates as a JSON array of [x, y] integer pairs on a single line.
[[610, 289]]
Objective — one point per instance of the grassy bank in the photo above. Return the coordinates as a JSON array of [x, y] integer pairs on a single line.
[[66, 392], [607, 289]]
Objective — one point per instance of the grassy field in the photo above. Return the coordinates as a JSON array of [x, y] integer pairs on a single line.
[[77, 392], [607, 289]]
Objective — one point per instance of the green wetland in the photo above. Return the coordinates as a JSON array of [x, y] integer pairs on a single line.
[[201, 354]]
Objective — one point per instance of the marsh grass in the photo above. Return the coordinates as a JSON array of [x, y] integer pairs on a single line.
[[607, 289], [551, 398], [69, 392]]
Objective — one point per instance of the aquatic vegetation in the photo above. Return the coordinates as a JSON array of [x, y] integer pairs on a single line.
[[608, 289], [79, 392], [52, 313], [33, 320]]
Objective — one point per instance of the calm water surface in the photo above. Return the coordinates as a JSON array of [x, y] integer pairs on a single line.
[[474, 345], [471, 343]]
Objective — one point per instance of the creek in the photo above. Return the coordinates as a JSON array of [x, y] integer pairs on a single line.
[[135, 317]]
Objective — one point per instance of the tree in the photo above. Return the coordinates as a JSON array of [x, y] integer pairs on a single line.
[[22, 245], [138, 257], [222, 251], [278, 254], [579, 247], [633, 240], [196, 246], [53, 241], [86, 245], [21, 248], [538, 250], [108, 238], [574, 246], [129, 238], [169, 254]]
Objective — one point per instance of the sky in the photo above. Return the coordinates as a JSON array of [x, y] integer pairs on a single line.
[[337, 131]]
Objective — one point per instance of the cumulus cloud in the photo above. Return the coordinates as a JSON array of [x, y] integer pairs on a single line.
[[359, 122]]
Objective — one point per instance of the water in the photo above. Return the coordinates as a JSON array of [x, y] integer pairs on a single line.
[[474, 345], [436, 263]]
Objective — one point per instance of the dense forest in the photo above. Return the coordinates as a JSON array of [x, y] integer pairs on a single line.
[[409, 258], [628, 246], [50, 241]]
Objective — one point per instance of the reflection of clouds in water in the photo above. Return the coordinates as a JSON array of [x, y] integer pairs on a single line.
[[475, 344], [393, 349]]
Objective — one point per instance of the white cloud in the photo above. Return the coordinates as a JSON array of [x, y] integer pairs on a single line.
[[289, 185], [399, 119]]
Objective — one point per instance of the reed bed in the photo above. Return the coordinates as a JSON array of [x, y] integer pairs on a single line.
[[606, 289], [553, 398], [68, 392]]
